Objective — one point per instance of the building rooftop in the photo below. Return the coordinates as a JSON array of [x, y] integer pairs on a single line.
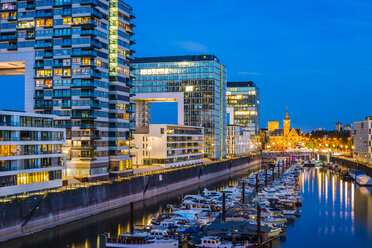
[[23, 113], [241, 84], [165, 59]]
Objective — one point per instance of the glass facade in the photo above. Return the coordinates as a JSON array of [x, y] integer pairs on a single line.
[[202, 79], [243, 97], [81, 73], [30, 152]]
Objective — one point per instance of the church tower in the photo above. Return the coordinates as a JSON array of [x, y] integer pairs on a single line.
[[286, 123]]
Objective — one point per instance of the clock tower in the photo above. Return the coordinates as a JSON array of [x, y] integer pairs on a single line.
[[286, 123]]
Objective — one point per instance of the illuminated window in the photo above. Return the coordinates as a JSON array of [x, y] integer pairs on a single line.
[[44, 73], [26, 24], [66, 72], [58, 72], [67, 21]]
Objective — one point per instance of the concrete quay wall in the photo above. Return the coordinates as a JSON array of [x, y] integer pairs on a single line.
[[38, 212], [353, 165]]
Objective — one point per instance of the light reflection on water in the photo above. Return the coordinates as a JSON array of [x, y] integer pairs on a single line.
[[86, 233], [343, 221], [335, 214]]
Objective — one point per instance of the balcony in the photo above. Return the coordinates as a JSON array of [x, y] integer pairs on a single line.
[[88, 23], [87, 2], [131, 15], [30, 36], [8, 37], [38, 96], [61, 95], [86, 147], [90, 53], [87, 32], [62, 3], [132, 41], [87, 94], [30, 6], [12, 18], [43, 106], [96, 74], [39, 66], [12, 47], [66, 105], [84, 84], [96, 44], [83, 116], [43, 45]]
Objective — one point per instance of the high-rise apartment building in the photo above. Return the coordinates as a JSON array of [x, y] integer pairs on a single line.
[[75, 56], [197, 83], [31, 155], [243, 97]]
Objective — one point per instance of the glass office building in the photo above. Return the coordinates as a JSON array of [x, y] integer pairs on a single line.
[[243, 99], [202, 80], [75, 56]]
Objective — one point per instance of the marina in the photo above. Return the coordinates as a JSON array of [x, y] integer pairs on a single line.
[[331, 211]]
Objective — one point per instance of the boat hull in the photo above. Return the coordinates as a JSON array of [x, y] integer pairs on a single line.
[[155, 244]]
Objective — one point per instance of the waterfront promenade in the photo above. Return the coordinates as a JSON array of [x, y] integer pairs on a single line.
[[40, 210]]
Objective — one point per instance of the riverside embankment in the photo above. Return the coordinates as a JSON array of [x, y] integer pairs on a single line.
[[349, 163], [34, 213]]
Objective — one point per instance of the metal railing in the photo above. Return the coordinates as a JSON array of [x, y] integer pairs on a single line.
[[15, 197]]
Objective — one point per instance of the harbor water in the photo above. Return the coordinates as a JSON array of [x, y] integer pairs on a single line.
[[335, 213]]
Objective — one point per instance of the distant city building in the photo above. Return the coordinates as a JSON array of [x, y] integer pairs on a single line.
[[243, 97], [363, 140], [31, 156], [272, 126], [75, 57], [338, 127], [348, 127], [319, 129], [238, 140], [169, 146], [197, 83], [282, 139]]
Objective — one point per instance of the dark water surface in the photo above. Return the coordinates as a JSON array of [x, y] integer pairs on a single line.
[[335, 213], [87, 233]]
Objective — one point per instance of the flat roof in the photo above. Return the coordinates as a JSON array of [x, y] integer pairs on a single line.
[[241, 84], [177, 125], [23, 113], [164, 59]]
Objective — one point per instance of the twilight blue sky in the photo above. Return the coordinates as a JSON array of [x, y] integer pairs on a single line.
[[314, 56]]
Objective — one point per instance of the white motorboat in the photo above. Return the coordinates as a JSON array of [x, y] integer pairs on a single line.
[[139, 241]]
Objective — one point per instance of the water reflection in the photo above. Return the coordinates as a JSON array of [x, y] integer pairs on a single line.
[[343, 221], [86, 233]]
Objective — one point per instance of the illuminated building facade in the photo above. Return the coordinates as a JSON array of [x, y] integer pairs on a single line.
[[243, 97], [75, 56], [169, 146], [272, 125], [363, 140], [282, 139], [201, 80], [238, 140], [31, 156]]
